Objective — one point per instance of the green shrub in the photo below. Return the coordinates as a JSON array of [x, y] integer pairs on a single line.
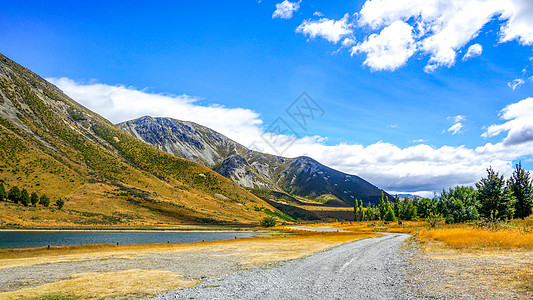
[[24, 197], [268, 222], [60, 203], [14, 194], [34, 198], [44, 201]]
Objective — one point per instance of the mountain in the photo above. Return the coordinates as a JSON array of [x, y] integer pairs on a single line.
[[300, 176], [50, 144]]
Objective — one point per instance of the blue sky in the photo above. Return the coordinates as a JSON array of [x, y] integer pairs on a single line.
[[255, 62]]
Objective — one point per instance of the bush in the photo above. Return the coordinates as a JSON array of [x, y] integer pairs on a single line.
[[268, 222], [44, 201], [3, 194], [14, 194], [60, 203], [34, 198], [24, 197]]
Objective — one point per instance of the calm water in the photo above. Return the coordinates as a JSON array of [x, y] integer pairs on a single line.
[[29, 239]]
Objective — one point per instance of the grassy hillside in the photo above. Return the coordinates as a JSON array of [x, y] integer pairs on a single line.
[[50, 144]]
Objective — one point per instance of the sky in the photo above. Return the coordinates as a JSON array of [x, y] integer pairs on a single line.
[[412, 95]]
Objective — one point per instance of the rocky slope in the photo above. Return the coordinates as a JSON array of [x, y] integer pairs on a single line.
[[300, 176], [51, 144]]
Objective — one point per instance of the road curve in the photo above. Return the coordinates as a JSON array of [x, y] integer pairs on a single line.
[[366, 269]]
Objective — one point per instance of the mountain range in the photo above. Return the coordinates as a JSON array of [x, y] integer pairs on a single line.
[[148, 171], [301, 176]]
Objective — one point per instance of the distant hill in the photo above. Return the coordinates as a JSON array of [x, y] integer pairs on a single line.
[[51, 144], [300, 176]]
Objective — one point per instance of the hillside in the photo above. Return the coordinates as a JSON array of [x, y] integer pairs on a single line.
[[300, 176], [51, 144]]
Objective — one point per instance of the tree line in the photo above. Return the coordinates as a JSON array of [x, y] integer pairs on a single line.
[[493, 198], [22, 196]]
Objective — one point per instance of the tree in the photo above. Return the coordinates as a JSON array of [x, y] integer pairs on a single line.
[[408, 210], [60, 203], [34, 198], [44, 201], [370, 213], [459, 204], [3, 194], [389, 214], [521, 186], [382, 206], [497, 202], [24, 197], [14, 194]]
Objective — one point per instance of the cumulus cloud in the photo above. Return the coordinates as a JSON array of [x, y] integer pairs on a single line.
[[286, 9], [390, 49], [473, 51], [120, 103], [518, 125], [417, 169], [437, 28], [331, 30]]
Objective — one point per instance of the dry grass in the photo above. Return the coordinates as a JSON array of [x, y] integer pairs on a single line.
[[494, 272], [474, 238], [259, 251], [131, 283]]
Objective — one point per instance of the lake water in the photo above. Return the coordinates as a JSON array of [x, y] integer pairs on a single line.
[[30, 239]]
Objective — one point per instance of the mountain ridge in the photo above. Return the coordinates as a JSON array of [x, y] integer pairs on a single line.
[[51, 144], [300, 176]]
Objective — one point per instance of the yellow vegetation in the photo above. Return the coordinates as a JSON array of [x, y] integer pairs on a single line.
[[108, 284], [480, 238]]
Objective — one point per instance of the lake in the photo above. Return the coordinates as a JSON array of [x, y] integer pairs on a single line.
[[37, 238]]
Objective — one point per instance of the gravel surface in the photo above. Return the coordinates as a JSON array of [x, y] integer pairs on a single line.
[[366, 269]]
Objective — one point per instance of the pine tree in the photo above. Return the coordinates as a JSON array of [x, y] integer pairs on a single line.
[[521, 186], [389, 215], [496, 201], [24, 197], [382, 206], [370, 214], [14, 194]]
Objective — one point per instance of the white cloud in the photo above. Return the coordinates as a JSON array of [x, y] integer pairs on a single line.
[[390, 49], [439, 28], [455, 128], [318, 14], [516, 83], [518, 125], [286, 9], [473, 51], [331, 30], [120, 103], [417, 169], [419, 141], [458, 118]]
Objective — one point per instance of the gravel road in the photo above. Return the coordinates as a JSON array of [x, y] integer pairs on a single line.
[[366, 269]]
